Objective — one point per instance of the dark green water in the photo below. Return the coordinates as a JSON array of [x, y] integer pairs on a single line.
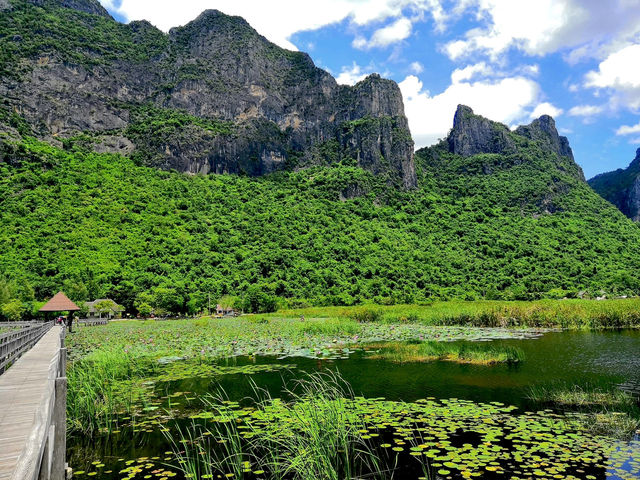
[[568, 358]]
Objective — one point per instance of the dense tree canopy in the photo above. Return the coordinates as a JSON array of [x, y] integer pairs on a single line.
[[98, 225]]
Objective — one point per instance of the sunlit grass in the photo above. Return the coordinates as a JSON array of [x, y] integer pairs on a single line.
[[101, 385], [569, 313]]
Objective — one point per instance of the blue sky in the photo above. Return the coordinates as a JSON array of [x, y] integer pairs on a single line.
[[510, 60]]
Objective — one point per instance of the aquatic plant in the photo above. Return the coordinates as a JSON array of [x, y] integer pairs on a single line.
[[320, 437], [582, 396], [100, 385], [429, 438], [482, 353], [611, 412]]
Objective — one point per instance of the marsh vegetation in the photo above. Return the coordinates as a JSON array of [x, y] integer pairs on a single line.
[[350, 395]]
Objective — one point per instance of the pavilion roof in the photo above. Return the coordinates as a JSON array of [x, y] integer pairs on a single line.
[[59, 303]]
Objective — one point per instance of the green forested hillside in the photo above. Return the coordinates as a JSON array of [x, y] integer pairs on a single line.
[[497, 226]]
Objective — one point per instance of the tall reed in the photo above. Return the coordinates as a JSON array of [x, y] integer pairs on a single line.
[[101, 385], [316, 437]]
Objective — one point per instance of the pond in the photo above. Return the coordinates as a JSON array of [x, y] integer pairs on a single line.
[[458, 397]]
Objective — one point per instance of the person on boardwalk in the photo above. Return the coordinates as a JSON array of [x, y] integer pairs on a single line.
[[70, 322]]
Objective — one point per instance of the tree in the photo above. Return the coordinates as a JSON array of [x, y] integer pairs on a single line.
[[13, 310], [105, 306], [77, 291], [144, 309], [168, 299], [259, 299]]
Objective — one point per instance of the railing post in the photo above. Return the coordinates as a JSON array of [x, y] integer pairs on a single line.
[[46, 464], [58, 469], [59, 420], [62, 366]]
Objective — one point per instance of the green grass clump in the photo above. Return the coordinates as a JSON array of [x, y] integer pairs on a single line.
[[480, 353], [321, 437], [101, 385], [583, 397], [611, 412]]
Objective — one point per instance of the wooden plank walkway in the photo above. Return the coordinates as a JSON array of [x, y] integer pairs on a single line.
[[24, 389]]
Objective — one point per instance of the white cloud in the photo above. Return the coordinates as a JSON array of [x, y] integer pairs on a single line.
[[109, 4], [485, 71], [619, 73], [416, 67], [383, 37], [531, 70], [470, 71], [537, 27], [628, 129], [279, 19], [620, 69], [546, 108], [635, 141], [585, 110], [352, 75], [507, 100]]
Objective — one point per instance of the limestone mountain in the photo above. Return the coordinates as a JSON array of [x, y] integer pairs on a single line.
[[211, 96], [622, 188], [473, 134], [90, 107]]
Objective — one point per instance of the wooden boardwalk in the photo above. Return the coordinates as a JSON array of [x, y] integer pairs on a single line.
[[25, 392]]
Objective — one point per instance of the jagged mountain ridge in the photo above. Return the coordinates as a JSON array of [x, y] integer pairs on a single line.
[[531, 167], [496, 213], [211, 96], [622, 188], [473, 134]]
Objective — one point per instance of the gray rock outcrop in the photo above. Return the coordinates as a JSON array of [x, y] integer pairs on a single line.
[[472, 134], [544, 130], [622, 188]]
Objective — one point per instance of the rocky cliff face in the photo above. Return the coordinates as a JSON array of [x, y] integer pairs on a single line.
[[622, 188], [543, 130], [473, 134], [212, 96]]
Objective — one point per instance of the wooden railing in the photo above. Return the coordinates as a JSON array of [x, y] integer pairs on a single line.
[[92, 322], [19, 324], [44, 457], [19, 340]]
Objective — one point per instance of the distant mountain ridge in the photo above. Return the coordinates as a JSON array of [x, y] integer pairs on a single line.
[[211, 96], [622, 188]]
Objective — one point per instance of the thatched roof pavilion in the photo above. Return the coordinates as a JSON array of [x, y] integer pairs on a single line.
[[59, 303]]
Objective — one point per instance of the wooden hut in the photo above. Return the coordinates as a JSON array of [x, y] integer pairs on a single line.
[[59, 303], [104, 306]]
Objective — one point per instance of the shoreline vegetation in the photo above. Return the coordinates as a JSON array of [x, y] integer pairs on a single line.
[[566, 313], [108, 364]]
